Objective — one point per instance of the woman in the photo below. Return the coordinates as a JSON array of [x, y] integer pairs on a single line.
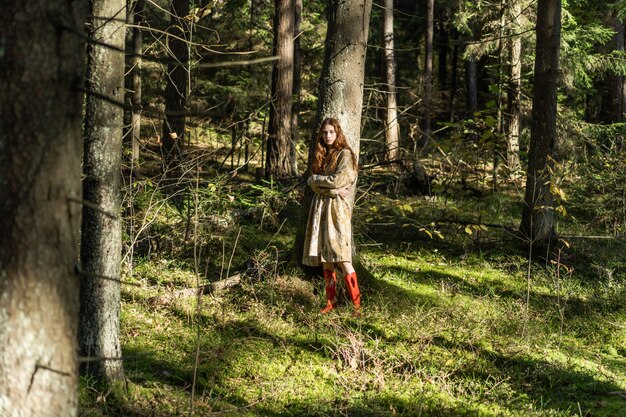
[[329, 229]]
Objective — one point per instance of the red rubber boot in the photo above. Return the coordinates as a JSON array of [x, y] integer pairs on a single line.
[[330, 279], [355, 294]]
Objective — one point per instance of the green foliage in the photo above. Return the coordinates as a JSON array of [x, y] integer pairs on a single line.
[[599, 190], [447, 330], [580, 61], [456, 321]]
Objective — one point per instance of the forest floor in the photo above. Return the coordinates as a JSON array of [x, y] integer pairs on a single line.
[[456, 321]]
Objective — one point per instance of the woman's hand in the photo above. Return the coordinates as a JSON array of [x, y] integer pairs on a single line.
[[343, 193]]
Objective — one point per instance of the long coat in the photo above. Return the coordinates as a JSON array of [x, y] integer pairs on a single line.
[[329, 228]]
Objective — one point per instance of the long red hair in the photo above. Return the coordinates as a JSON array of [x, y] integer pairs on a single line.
[[326, 156]]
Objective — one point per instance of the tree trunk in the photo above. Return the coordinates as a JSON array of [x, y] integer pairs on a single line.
[[41, 79], [135, 75], [537, 223], [278, 164], [616, 82], [101, 231], [442, 57], [514, 91], [341, 84], [392, 132], [454, 72], [428, 70], [471, 85], [297, 85], [176, 90]]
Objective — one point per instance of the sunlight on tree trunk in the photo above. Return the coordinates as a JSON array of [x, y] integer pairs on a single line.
[[341, 84], [514, 90], [278, 164], [392, 132], [537, 224], [297, 87], [41, 79], [101, 231], [135, 75]]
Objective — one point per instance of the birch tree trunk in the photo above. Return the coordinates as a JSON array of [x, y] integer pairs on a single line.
[[514, 90], [392, 132], [41, 79], [278, 164], [101, 231], [341, 84], [537, 224]]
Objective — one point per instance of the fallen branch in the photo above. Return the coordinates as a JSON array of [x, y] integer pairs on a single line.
[[210, 288], [219, 285]]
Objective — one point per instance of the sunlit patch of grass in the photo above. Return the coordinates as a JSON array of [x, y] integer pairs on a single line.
[[450, 327]]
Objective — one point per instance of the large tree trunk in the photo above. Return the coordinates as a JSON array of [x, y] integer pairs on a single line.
[[297, 86], [135, 76], [176, 91], [537, 224], [341, 84], [428, 70], [101, 231], [514, 91], [278, 164], [41, 79], [392, 132]]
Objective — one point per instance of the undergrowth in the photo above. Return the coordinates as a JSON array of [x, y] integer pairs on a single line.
[[456, 321]]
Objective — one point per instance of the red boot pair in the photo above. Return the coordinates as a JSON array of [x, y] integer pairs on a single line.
[[330, 280]]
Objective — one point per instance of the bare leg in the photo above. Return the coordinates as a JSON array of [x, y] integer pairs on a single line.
[[347, 268]]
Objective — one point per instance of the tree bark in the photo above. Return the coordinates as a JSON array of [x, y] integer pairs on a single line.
[[537, 224], [341, 84], [392, 132], [297, 86], [616, 82], [101, 231], [176, 90], [278, 164], [514, 90], [454, 72], [471, 85], [41, 79], [428, 70], [442, 57], [135, 75]]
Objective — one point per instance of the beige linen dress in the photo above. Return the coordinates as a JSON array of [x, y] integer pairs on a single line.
[[329, 228]]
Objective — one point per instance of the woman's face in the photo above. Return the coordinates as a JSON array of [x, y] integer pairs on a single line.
[[329, 135]]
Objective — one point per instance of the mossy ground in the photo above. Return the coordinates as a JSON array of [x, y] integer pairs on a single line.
[[461, 325]]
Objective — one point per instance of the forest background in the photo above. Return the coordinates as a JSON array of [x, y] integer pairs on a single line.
[[489, 222]]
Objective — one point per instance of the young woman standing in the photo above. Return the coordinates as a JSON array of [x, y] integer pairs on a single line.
[[329, 229]]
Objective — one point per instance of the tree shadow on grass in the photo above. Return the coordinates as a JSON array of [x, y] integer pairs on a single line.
[[555, 386], [573, 307], [235, 342]]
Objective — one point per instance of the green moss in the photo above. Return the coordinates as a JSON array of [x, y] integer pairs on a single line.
[[450, 327]]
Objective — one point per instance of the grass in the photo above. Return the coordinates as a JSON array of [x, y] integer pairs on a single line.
[[463, 326]]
